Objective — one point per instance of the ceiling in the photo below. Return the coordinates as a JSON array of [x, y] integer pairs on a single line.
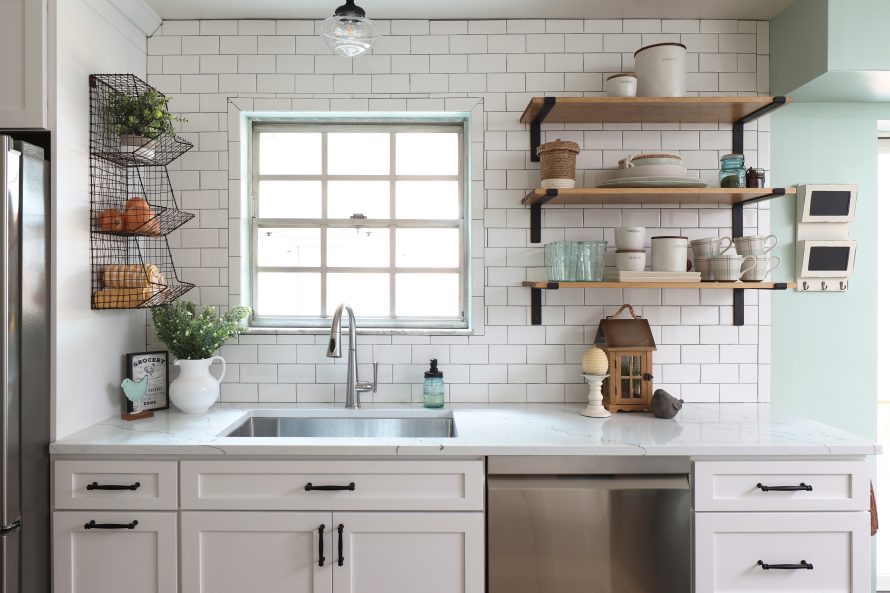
[[473, 9]]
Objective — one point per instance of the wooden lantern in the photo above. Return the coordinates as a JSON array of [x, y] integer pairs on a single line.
[[628, 344]]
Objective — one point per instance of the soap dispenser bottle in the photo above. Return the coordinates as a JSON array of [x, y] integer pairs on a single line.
[[433, 386]]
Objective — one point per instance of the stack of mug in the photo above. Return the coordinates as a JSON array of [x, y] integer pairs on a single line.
[[751, 263]]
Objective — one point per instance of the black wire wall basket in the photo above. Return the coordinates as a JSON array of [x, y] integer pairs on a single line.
[[132, 207]]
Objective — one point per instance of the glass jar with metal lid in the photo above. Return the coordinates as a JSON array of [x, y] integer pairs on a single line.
[[732, 170]]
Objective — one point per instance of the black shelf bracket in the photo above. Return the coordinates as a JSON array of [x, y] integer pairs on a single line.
[[738, 126], [534, 129], [537, 303], [535, 214]]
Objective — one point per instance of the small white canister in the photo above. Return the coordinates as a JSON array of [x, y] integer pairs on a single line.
[[621, 85], [669, 254], [661, 70]]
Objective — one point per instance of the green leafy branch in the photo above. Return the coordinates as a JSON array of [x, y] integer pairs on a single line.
[[144, 115], [193, 336]]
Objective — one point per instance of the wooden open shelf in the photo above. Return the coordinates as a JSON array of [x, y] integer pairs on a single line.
[[654, 195], [544, 284], [655, 110], [738, 290]]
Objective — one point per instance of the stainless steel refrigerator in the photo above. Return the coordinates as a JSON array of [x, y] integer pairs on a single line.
[[24, 369]]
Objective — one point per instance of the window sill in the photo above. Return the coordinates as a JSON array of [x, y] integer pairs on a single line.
[[369, 331]]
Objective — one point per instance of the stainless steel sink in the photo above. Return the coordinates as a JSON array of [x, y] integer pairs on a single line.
[[345, 427]]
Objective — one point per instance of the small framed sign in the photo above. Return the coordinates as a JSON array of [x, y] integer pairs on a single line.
[[156, 368]]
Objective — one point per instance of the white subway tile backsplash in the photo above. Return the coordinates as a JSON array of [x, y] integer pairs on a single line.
[[214, 68]]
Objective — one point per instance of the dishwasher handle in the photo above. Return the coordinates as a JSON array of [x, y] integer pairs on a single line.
[[588, 482]]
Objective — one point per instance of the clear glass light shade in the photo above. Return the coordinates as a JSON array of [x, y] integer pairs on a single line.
[[349, 35]]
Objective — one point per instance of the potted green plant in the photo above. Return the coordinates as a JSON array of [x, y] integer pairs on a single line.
[[193, 337], [139, 119]]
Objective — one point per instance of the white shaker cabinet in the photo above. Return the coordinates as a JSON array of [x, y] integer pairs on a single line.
[[268, 552], [23, 63], [110, 552], [410, 552]]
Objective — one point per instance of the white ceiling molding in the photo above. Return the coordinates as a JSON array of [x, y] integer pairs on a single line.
[[472, 9], [140, 13]]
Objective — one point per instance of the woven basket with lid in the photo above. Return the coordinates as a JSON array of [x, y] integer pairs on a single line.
[[558, 159]]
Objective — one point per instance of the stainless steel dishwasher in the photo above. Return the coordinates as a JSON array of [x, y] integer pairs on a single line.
[[574, 525]]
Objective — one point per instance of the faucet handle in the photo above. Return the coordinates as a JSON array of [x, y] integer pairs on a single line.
[[364, 386]]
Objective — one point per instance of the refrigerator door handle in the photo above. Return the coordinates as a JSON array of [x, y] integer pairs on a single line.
[[11, 527]]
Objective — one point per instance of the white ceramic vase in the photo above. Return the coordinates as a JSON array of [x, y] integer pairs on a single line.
[[195, 389]]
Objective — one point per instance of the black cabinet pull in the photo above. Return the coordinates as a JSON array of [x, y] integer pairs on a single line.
[[801, 486], [93, 525], [340, 544], [310, 487], [321, 545], [804, 565], [98, 486]]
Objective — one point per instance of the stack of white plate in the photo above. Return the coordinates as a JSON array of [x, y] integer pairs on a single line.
[[558, 183], [652, 170]]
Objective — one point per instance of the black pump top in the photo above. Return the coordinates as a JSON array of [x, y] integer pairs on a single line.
[[434, 370]]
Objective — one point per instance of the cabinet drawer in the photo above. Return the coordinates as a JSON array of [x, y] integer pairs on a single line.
[[137, 485], [378, 485], [729, 548], [739, 486], [134, 552]]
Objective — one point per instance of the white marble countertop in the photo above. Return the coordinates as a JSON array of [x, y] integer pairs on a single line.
[[507, 429]]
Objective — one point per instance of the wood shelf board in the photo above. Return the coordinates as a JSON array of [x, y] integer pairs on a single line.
[[703, 285], [651, 195], [693, 110]]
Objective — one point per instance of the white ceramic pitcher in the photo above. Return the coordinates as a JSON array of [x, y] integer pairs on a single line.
[[195, 389]]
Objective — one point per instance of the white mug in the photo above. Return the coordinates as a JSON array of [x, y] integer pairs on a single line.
[[754, 244], [630, 260], [710, 247], [631, 238], [703, 265], [669, 254], [728, 268], [763, 266], [621, 85]]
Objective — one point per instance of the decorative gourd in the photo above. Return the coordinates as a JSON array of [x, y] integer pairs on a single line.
[[137, 214], [111, 220]]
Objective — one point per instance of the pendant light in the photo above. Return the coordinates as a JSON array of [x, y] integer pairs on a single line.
[[348, 32]]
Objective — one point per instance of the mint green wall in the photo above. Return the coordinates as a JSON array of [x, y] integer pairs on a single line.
[[857, 34], [824, 364], [798, 45]]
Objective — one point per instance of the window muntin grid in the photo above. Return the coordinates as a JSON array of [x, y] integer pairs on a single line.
[[331, 185]]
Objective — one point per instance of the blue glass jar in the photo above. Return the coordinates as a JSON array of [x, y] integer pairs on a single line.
[[433, 386], [732, 170]]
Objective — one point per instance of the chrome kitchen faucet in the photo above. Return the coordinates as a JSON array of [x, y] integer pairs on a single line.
[[354, 387]]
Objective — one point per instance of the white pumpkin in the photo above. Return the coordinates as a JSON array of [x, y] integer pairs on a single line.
[[595, 362]]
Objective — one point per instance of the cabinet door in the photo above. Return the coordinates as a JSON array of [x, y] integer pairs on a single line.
[[410, 552], [23, 66], [265, 552], [100, 553]]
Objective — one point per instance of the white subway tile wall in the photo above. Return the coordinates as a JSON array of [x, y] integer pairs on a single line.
[[213, 70]]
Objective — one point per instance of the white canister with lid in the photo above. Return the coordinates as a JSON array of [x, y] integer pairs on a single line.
[[669, 254], [661, 70], [621, 85]]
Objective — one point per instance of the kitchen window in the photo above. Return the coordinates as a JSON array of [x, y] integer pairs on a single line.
[[370, 211]]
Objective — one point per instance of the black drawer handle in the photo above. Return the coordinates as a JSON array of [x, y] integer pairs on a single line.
[[804, 565], [98, 486], [321, 545], [340, 544], [94, 525], [310, 487], [801, 487]]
